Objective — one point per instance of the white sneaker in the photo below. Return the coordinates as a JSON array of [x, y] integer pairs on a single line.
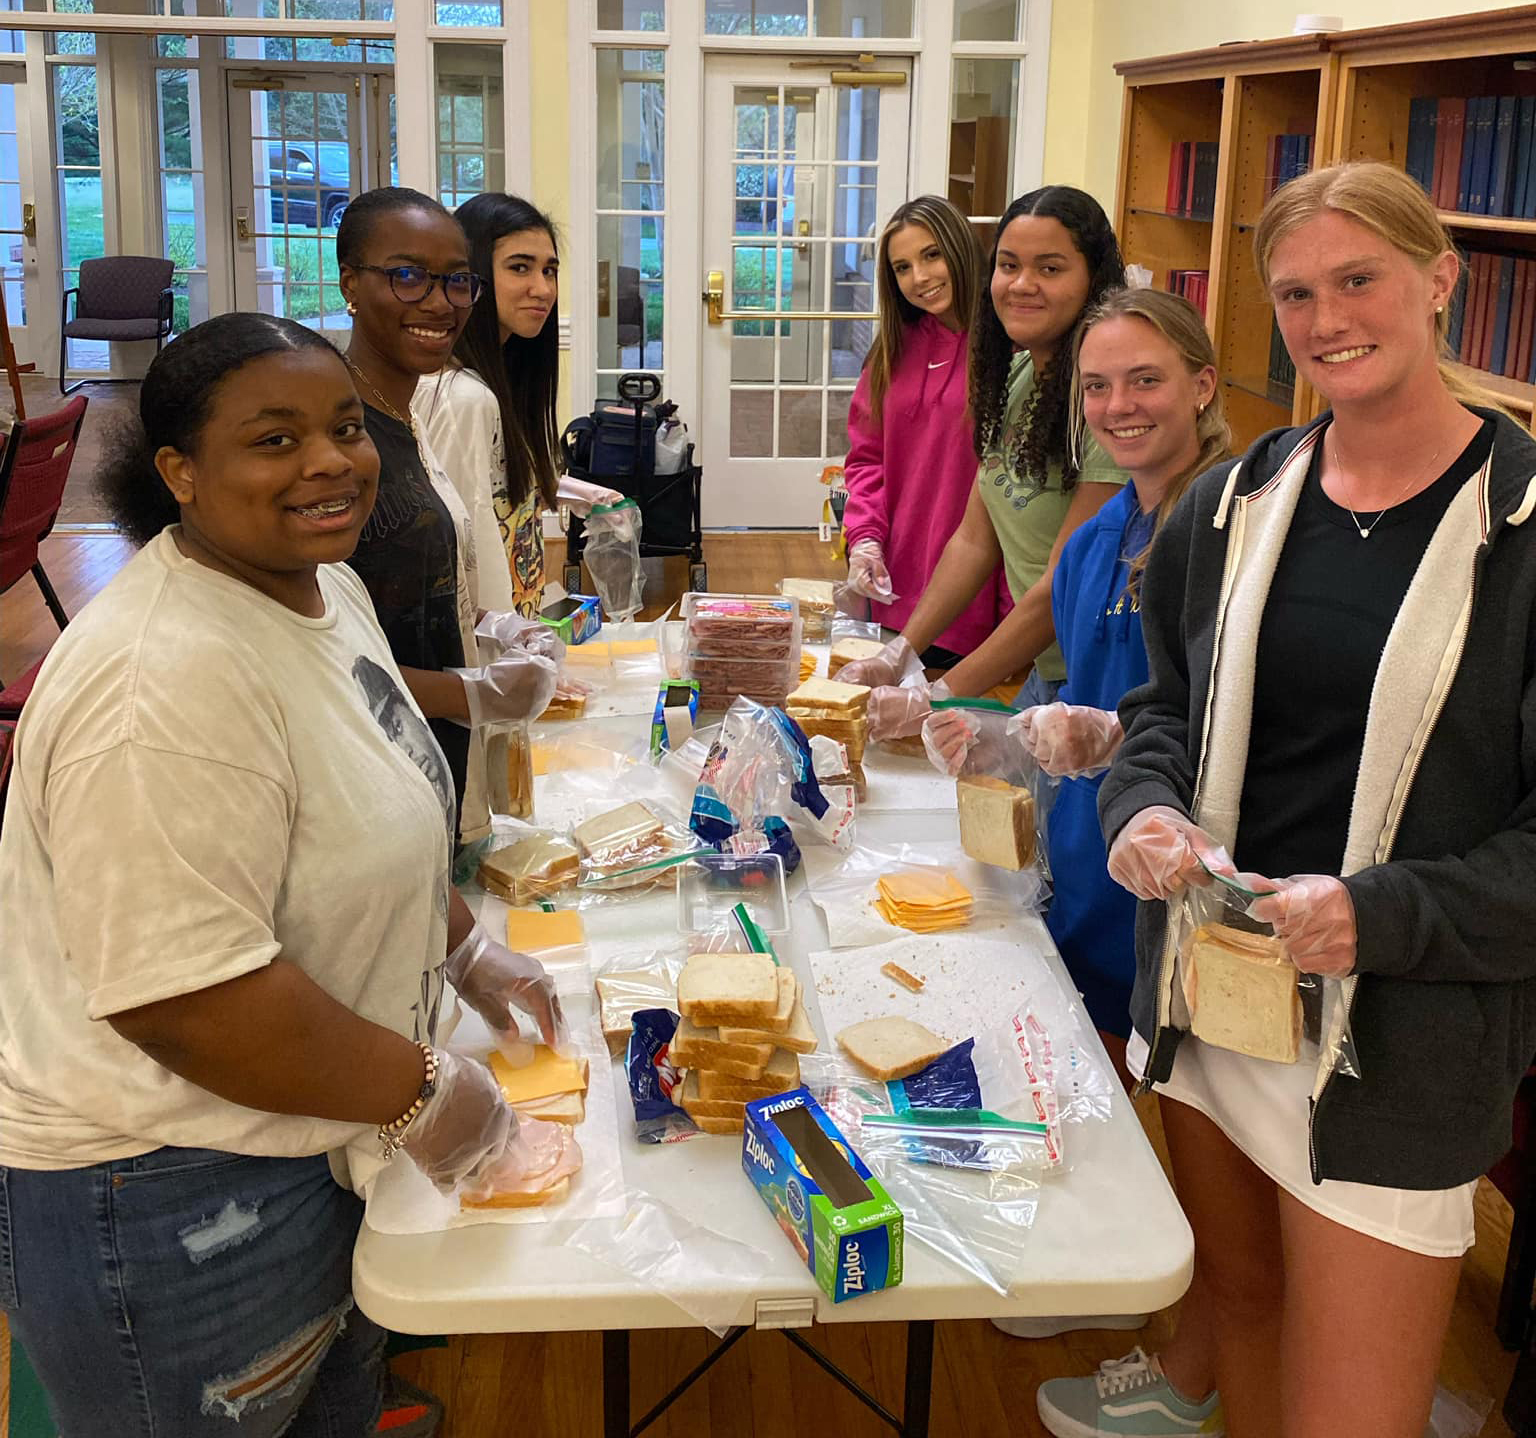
[[1050, 1327]]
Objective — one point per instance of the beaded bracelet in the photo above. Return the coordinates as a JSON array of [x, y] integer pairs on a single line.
[[392, 1134]]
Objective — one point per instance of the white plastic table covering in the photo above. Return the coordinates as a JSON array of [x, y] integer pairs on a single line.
[[1110, 1236]]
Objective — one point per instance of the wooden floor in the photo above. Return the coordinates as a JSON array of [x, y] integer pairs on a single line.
[[984, 1382]]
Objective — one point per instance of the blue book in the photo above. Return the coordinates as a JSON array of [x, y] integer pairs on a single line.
[[1503, 156], [1505, 292], [1468, 154], [1525, 119], [1289, 149], [1420, 157], [1458, 308], [1482, 154]]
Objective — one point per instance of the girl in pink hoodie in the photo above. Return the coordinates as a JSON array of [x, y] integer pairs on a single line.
[[910, 466]]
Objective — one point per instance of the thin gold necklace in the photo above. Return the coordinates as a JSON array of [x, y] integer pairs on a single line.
[[407, 420], [1365, 529]]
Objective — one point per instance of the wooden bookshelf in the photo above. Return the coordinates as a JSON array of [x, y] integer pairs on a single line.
[[978, 165], [1351, 92], [1239, 96]]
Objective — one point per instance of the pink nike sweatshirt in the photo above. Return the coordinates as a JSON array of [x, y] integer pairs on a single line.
[[910, 476]]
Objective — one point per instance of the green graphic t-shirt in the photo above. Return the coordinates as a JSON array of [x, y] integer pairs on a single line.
[[1026, 513]]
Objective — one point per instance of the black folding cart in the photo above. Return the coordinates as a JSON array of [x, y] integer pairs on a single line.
[[615, 447]]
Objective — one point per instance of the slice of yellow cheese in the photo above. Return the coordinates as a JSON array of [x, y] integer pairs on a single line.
[[539, 929], [920, 889], [600, 651], [547, 1075]]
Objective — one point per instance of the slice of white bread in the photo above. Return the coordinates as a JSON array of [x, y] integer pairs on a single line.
[[568, 1108], [830, 697], [626, 827], [997, 821], [781, 1075], [620, 994], [890, 1048], [529, 869], [557, 1192], [850, 651], [694, 1047], [1243, 993], [799, 1037], [696, 1106], [739, 987], [813, 594]]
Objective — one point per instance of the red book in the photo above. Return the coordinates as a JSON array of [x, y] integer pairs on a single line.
[[1442, 136], [1175, 178], [1189, 178], [1272, 165], [1477, 292], [1450, 126], [1518, 364], [1492, 265]]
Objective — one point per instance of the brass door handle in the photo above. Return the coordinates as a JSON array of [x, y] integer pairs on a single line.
[[29, 220], [714, 299], [242, 225]]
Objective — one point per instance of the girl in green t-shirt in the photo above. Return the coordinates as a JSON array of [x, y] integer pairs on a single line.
[[1054, 256]]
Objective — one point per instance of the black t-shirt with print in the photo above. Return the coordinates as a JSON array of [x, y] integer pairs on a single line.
[[407, 557], [1330, 608]]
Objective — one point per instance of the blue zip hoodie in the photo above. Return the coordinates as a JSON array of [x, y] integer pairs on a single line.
[[1098, 626]]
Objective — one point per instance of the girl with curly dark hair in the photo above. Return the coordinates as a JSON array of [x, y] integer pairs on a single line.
[[1055, 255]]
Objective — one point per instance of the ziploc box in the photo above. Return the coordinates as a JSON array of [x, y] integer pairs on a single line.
[[835, 1212], [677, 710], [576, 618]]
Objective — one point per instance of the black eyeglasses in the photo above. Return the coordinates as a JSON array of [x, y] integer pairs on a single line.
[[410, 283]]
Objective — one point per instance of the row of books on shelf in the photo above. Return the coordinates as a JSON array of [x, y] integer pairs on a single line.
[[1281, 379], [1285, 157], [1194, 285], [1474, 153], [1493, 319], [1192, 179]]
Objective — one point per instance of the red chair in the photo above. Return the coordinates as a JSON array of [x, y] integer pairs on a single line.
[[33, 471]]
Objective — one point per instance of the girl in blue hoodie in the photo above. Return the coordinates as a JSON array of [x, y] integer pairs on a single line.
[[1146, 390]]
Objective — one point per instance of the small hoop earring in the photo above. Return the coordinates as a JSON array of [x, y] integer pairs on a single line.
[[1199, 410], [351, 308]]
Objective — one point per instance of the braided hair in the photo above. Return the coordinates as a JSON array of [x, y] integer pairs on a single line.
[[1043, 430]]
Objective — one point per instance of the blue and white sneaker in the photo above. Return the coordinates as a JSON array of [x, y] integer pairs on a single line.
[[1127, 1398]]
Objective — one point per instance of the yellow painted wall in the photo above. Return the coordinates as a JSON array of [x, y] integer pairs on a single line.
[[549, 105], [1082, 131]]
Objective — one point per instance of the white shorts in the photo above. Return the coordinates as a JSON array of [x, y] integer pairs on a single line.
[[1262, 1108]]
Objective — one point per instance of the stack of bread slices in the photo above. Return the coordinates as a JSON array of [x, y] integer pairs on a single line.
[[839, 711], [743, 1028]]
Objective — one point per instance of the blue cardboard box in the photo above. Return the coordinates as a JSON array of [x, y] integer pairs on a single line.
[[576, 618], [676, 712], [835, 1212]]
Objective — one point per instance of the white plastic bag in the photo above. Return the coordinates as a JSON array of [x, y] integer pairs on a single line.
[[612, 553]]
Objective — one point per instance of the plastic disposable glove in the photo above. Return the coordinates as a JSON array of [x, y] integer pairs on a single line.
[[1314, 915], [493, 980], [465, 1127], [897, 712], [1159, 852], [538, 1155], [582, 494], [867, 573], [514, 634], [948, 738], [895, 664], [847, 601], [509, 690], [1068, 741]]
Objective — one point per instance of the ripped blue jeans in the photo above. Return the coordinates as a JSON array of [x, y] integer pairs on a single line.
[[189, 1293]]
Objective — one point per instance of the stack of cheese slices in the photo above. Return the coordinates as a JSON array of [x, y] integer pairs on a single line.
[[926, 901], [743, 1026]]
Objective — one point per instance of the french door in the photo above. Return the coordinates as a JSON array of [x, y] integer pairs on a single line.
[[799, 175]]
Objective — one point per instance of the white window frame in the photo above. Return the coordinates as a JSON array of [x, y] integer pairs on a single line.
[[685, 45]]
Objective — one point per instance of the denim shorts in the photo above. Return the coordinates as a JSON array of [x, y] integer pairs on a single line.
[[187, 1293]]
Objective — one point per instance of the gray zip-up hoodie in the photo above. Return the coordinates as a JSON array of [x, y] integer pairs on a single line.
[[1441, 855]]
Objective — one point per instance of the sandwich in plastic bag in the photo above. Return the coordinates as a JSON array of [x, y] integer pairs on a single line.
[[612, 553]]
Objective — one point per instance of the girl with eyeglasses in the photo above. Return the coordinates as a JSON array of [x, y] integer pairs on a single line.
[[409, 287], [490, 412]]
